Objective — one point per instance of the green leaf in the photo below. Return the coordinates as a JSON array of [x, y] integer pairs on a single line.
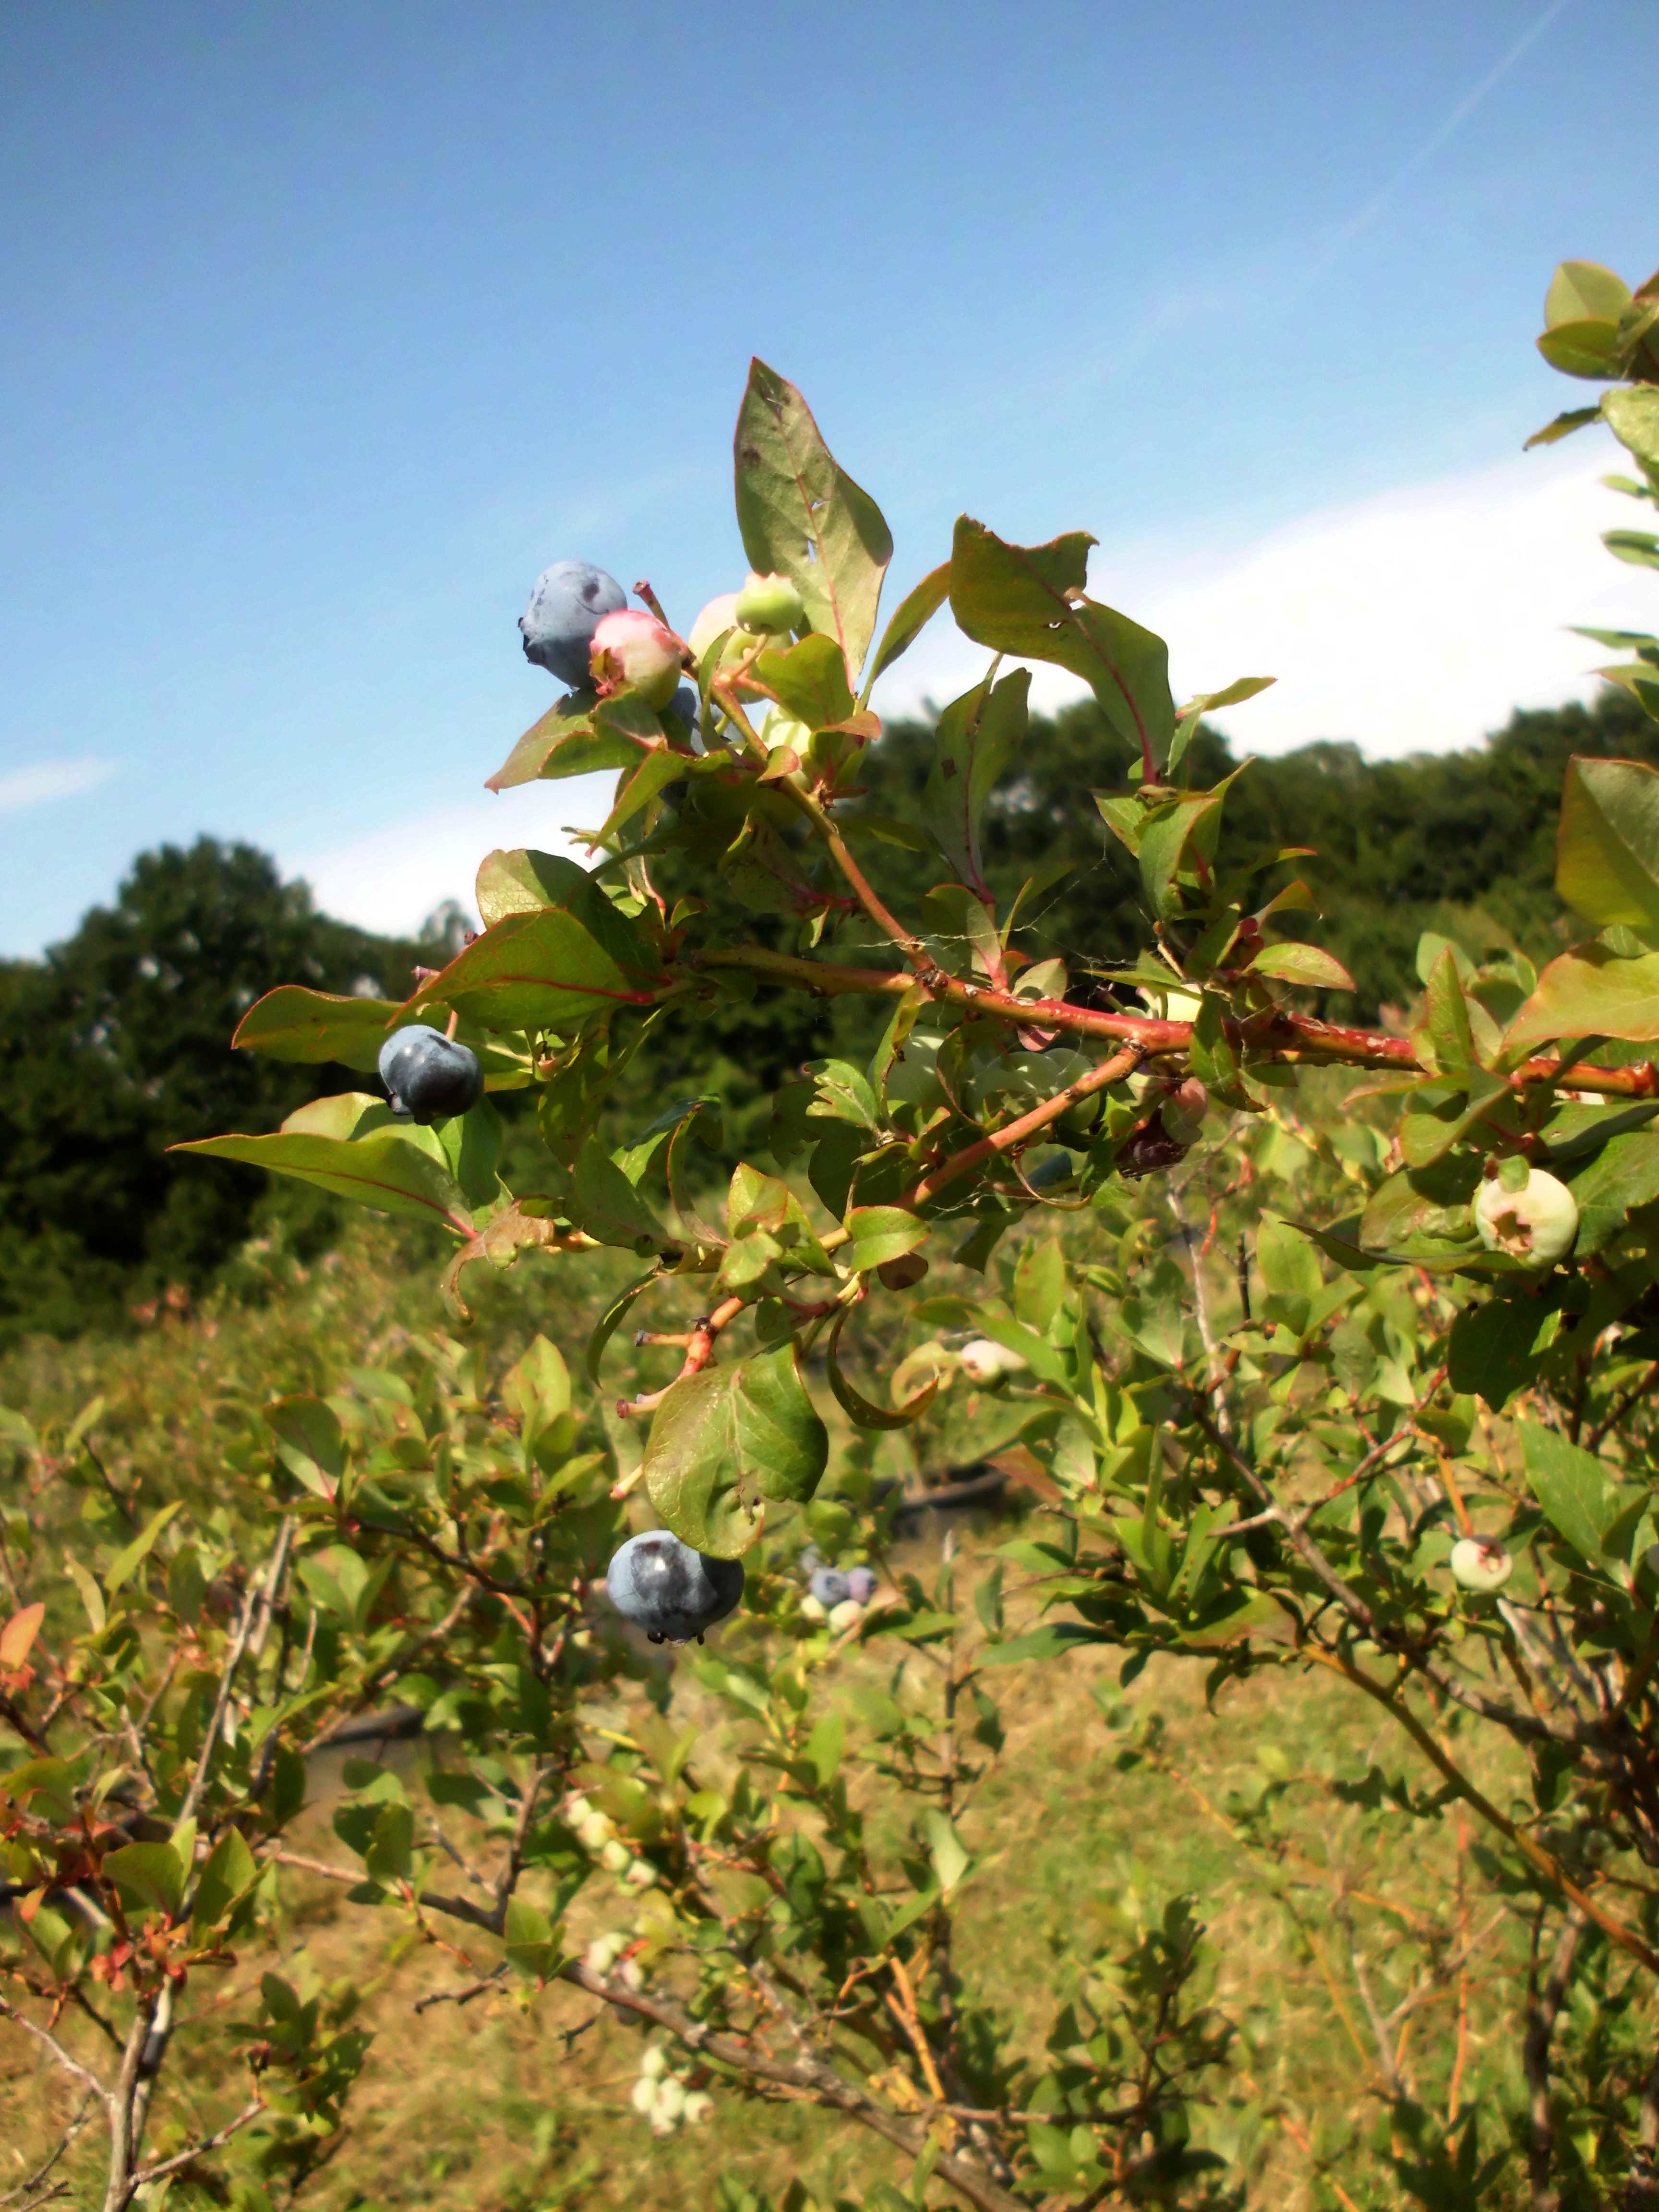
[[1052, 1641], [842, 1093], [552, 969], [802, 516], [909, 618], [1590, 992], [390, 1166], [728, 1438], [47, 1786], [611, 1320], [945, 1850], [343, 1583], [1563, 426], [230, 1872], [1608, 847], [121, 1567], [153, 1873], [761, 1210], [1040, 1285], [1308, 965], [1639, 547], [975, 739], [1166, 833], [1583, 290], [573, 743], [1214, 1061], [1493, 1348], [1423, 1213], [293, 1023], [1287, 1262], [1233, 695], [538, 1388], [520, 880], [1578, 1501], [638, 787], [1632, 416], [1027, 601], [1624, 1175], [809, 681], [390, 1857], [604, 1202], [1447, 1015], [528, 1935], [1589, 347], [1043, 1358], [881, 1233], [861, 1410], [309, 1442]]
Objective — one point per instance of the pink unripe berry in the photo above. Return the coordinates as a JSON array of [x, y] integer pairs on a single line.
[[767, 604], [634, 651]]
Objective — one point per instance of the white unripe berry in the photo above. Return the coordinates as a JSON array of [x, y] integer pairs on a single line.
[[1536, 1223], [1480, 1563], [981, 1361]]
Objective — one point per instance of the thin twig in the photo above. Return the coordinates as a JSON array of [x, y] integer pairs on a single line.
[[1542, 2012], [214, 2141], [87, 2080], [83, 2112]]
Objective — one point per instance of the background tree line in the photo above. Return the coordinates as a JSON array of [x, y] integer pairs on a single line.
[[114, 1046]]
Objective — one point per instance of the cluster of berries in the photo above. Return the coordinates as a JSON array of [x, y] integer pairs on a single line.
[[580, 626], [597, 1832], [835, 1595], [663, 2097]]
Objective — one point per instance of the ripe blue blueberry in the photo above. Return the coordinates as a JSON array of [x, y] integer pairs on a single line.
[[669, 1590], [427, 1076], [829, 1586], [860, 1584], [568, 604], [686, 704]]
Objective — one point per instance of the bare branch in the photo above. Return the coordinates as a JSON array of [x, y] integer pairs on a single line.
[[87, 2080], [214, 2141], [1543, 2010], [256, 1603]]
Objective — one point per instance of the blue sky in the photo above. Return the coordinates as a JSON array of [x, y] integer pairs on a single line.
[[329, 325]]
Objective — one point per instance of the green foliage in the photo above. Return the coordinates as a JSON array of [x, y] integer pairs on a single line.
[[1403, 1445], [113, 1048]]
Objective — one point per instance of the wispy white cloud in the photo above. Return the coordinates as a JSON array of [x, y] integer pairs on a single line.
[[1414, 622], [392, 878], [1421, 155], [44, 781]]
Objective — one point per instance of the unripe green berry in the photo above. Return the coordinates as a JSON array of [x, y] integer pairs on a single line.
[[1536, 1223], [1480, 1563], [767, 605]]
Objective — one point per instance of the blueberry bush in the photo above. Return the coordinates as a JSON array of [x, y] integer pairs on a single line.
[[1308, 1350]]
